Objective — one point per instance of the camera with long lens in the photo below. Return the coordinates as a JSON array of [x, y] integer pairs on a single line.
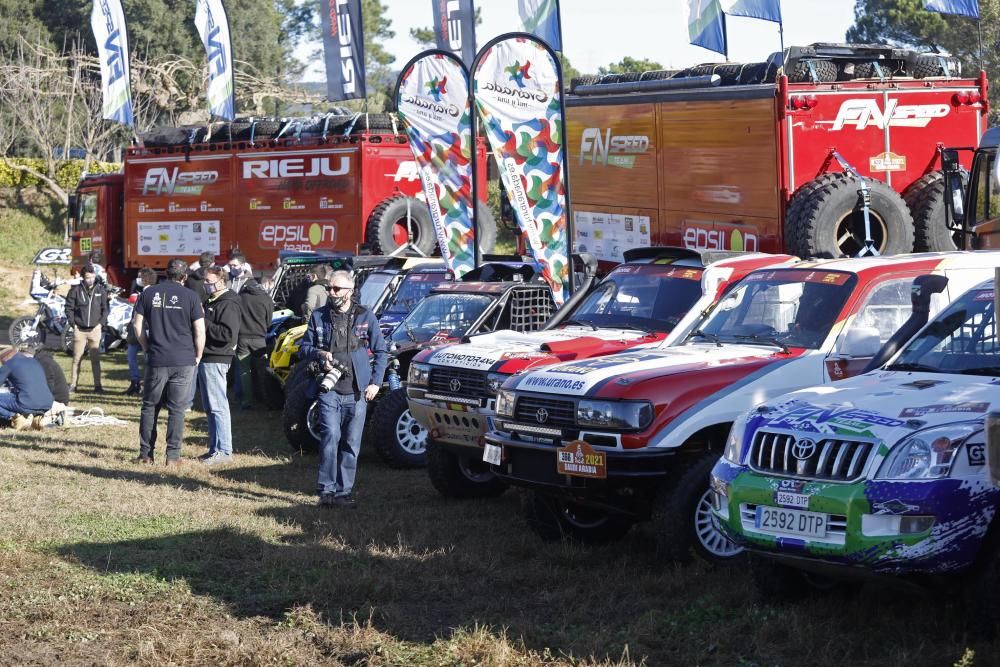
[[329, 374]]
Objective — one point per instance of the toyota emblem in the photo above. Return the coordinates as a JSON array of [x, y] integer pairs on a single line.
[[803, 449], [542, 415], [455, 385]]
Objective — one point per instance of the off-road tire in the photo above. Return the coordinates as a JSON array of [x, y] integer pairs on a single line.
[[298, 400], [381, 225], [552, 518], [929, 65], [826, 70], [15, 332], [453, 480], [926, 200], [679, 514], [819, 207], [659, 74], [754, 73], [272, 391], [585, 80], [728, 72], [392, 413], [376, 121], [621, 77]]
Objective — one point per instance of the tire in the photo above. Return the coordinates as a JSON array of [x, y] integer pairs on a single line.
[[585, 80], [754, 73], [456, 477], [265, 129], [22, 331], [928, 65], [382, 234], [400, 440], [825, 220], [826, 70], [300, 407], [553, 518], [377, 121], [728, 72], [272, 391], [683, 521], [926, 201], [659, 74], [622, 77]]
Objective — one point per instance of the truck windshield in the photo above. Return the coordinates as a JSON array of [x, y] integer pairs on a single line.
[[962, 339], [649, 297], [415, 286], [442, 317], [373, 287], [786, 308]]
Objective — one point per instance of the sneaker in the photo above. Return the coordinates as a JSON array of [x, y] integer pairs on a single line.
[[217, 459], [98, 390], [133, 388], [346, 502], [143, 460], [37, 422], [326, 500], [20, 423], [206, 455]]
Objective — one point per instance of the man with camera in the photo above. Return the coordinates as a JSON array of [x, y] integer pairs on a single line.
[[340, 338]]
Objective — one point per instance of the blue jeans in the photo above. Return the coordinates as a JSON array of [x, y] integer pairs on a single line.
[[133, 362], [8, 405], [212, 378], [342, 419]]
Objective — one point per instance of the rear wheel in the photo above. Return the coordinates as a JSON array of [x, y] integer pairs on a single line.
[[926, 199], [300, 418], [554, 518], [399, 221], [399, 440], [808, 70], [23, 331], [457, 476]]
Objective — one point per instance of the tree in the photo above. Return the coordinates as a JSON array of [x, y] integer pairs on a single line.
[[629, 65]]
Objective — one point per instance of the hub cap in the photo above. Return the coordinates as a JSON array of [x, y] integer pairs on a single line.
[[410, 435], [711, 537]]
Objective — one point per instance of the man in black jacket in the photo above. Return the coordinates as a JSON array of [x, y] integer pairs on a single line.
[[251, 351], [87, 310], [222, 331], [196, 275]]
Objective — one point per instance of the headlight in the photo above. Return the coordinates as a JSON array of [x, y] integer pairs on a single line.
[[926, 454], [505, 403], [632, 415], [734, 444], [419, 375], [494, 381]]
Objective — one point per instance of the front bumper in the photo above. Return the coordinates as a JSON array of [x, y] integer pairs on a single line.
[[946, 520], [458, 421]]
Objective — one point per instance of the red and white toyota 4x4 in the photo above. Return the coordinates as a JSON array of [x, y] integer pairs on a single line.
[[654, 298], [606, 442]]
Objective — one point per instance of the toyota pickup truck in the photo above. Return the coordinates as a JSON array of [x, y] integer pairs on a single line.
[[604, 443], [884, 474], [655, 297]]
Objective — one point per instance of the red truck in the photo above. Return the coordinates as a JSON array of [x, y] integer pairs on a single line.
[[261, 187], [745, 157]]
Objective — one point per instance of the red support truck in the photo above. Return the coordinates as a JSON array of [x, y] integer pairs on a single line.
[[351, 184], [745, 157]]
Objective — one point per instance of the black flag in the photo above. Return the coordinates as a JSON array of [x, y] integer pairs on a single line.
[[455, 28], [343, 48]]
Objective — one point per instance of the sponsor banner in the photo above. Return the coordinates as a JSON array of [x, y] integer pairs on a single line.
[[607, 236], [213, 26], [863, 113], [53, 256], [107, 20], [711, 235], [517, 84], [343, 49], [455, 28], [178, 238], [707, 25], [297, 235], [475, 357], [541, 19], [433, 101]]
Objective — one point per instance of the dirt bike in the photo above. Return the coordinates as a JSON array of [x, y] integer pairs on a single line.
[[49, 323]]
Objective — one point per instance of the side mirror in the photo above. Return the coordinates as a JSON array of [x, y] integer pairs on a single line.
[[993, 446], [954, 185], [861, 343]]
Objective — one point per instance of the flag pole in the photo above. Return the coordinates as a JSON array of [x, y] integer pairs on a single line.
[[562, 48], [979, 27]]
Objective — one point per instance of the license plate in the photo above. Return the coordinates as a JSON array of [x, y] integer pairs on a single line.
[[790, 522], [799, 500], [491, 454]]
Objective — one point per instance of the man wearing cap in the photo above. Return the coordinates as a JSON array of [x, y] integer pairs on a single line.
[[28, 391], [345, 332]]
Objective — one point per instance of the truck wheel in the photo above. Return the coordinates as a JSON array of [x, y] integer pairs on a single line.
[[387, 228], [23, 331], [683, 521], [930, 65], [299, 419], [825, 219], [400, 440], [553, 518], [926, 201], [826, 71], [457, 476]]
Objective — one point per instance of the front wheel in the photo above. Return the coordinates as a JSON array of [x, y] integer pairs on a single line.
[[400, 440], [457, 476], [553, 518], [300, 418], [24, 331]]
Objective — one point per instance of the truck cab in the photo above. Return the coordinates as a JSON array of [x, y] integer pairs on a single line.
[[95, 212], [973, 199]]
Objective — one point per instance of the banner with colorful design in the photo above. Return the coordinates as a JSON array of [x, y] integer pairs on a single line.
[[517, 87], [108, 23], [213, 26], [541, 19], [432, 97]]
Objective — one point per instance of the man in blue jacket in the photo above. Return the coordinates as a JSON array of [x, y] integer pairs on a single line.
[[346, 336], [28, 390]]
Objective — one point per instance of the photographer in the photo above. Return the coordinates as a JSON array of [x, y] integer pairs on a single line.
[[339, 338]]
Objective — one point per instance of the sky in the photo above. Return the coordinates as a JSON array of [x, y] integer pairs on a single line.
[[599, 32]]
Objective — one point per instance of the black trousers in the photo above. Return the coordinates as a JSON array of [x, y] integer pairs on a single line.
[[171, 387]]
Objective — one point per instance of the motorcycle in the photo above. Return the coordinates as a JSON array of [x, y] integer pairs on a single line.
[[48, 323], [119, 318]]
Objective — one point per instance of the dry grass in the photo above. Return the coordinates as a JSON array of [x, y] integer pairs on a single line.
[[104, 562]]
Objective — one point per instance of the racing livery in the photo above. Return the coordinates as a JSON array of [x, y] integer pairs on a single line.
[[645, 417], [887, 473], [655, 298]]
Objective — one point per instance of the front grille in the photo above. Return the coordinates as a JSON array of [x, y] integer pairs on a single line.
[[833, 459], [458, 382], [557, 414]]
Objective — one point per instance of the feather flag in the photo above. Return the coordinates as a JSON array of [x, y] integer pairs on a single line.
[[213, 26], [108, 23], [707, 25]]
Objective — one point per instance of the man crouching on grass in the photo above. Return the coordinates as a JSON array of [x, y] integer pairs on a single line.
[[340, 337]]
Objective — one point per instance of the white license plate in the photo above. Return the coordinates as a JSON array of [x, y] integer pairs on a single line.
[[799, 500], [491, 454], [790, 522]]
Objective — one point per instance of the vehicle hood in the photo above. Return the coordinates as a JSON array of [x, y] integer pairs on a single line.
[[511, 351], [626, 370], [887, 405]]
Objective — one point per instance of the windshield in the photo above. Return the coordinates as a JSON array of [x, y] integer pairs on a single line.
[[649, 297], [415, 286], [442, 317], [794, 308], [373, 287], [962, 339]]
